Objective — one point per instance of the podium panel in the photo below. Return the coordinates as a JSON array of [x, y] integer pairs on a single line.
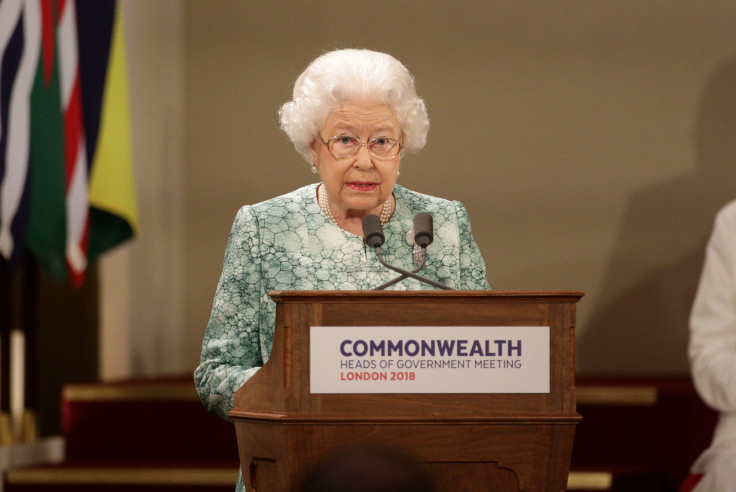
[[469, 441]]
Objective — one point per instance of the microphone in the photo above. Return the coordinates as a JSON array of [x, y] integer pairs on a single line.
[[423, 236], [373, 231], [373, 234], [423, 229]]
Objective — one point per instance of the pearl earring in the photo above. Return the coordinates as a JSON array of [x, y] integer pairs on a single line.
[[314, 169]]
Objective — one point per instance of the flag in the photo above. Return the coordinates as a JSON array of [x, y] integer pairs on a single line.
[[76, 197], [19, 50], [47, 227], [113, 207]]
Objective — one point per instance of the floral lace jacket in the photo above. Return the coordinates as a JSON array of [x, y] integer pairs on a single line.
[[288, 243]]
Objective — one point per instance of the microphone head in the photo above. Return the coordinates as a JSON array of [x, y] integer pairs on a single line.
[[373, 231], [423, 229]]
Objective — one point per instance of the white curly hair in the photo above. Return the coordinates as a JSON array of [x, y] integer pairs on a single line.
[[349, 75]]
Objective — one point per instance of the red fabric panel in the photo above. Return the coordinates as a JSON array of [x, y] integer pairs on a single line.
[[665, 438], [690, 482], [143, 429]]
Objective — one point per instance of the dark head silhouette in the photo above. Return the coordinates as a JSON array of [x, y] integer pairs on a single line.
[[367, 469]]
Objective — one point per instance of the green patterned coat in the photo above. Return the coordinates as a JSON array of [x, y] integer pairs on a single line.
[[287, 243]]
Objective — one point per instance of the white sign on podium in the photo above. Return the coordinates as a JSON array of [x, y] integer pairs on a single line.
[[429, 359]]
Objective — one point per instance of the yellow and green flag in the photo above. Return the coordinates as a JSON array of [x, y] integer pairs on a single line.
[[66, 184]]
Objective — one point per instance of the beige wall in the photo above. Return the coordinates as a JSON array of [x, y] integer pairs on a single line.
[[592, 143], [142, 284]]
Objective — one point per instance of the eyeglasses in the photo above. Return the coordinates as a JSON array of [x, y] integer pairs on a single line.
[[344, 146]]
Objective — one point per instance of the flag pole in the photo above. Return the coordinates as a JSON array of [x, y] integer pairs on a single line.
[[29, 313], [6, 321]]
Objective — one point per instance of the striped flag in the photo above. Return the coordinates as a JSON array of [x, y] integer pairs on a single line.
[[74, 197], [19, 50]]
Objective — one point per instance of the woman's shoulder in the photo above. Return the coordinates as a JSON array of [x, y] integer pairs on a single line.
[[422, 202], [290, 203], [728, 212]]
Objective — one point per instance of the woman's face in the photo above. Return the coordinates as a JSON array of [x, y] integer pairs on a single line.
[[357, 185]]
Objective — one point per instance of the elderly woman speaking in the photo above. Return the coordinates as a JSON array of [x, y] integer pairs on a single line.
[[353, 115]]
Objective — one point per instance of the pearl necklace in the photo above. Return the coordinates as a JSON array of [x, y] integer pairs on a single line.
[[324, 204]]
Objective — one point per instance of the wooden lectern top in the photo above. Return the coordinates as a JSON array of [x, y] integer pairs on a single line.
[[547, 296]]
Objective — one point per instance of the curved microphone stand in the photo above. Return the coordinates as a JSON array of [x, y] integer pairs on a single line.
[[406, 273]]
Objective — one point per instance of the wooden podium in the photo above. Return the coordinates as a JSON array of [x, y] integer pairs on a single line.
[[469, 442]]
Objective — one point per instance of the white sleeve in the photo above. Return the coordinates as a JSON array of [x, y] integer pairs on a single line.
[[712, 346]]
